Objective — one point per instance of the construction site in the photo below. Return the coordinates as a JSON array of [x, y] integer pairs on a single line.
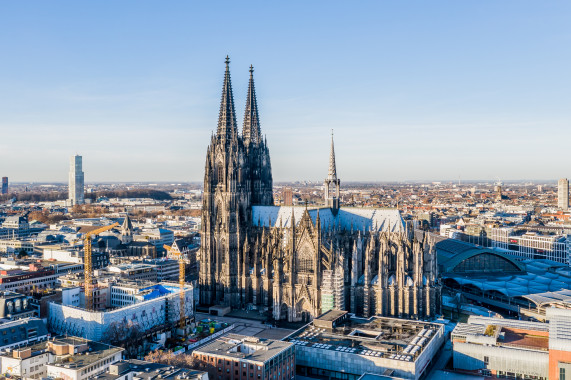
[[121, 311]]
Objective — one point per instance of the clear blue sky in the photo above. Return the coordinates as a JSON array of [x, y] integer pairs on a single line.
[[415, 90]]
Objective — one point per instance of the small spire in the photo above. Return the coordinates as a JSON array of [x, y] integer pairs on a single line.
[[332, 166]]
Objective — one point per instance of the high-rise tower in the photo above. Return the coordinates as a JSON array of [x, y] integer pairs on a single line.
[[4, 185], [563, 194], [76, 186]]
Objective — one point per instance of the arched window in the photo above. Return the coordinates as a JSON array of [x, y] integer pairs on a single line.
[[220, 171], [486, 262], [305, 261]]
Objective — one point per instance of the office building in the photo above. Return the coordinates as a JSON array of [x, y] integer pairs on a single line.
[[563, 194], [526, 244], [235, 357], [21, 332], [141, 370], [99, 257], [515, 349], [76, 184], [16, 226], [4, 185], [134, 271], [68, 358], [24, 281], [339, 346]]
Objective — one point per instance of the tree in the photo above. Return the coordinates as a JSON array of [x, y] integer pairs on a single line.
[[123, 333], [169, 358]]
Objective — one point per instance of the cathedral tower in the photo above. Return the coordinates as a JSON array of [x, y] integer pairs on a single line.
[[237, 175], [257, 150]]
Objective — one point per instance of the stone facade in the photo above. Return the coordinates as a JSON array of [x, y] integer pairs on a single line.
[[274, 258]]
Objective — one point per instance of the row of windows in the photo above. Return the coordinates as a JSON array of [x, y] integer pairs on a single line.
[[96, 366]]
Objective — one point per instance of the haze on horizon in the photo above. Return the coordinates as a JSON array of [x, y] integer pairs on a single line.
[[413, 91]]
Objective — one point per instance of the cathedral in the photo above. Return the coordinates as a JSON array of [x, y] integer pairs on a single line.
[[297, 262]]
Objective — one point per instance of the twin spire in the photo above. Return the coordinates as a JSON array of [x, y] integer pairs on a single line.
[[227, 117], [251, 131], [227, 125]]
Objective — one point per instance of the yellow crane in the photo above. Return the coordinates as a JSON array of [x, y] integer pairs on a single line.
[[87, 264], [176, 254]]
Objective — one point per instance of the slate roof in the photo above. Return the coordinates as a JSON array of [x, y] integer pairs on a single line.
[[364, 219]]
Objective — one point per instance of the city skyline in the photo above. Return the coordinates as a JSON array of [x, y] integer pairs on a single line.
[[407, 98]]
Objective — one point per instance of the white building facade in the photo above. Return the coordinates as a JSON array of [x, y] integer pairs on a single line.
[[162, 310], [531, 245]]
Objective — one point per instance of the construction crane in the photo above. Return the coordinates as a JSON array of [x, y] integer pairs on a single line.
[[87, 264], [182, 260]]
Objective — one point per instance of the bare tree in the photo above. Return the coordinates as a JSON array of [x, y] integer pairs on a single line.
[[169, 358], [122, 333]]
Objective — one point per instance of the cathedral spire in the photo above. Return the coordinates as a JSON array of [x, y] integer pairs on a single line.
[[332, 166], [251, 130], [332, 183], [227, 116]]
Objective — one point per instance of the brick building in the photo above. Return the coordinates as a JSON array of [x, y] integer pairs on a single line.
[[239, 357]]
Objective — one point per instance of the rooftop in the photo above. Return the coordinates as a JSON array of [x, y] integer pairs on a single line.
[[245, 347], [95, 352], [525, 338], [391, 338], [147, 371], [332, 315], [501, 332], [378, 219]]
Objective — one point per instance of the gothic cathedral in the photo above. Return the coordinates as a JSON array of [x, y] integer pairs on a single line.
[[297, 262]]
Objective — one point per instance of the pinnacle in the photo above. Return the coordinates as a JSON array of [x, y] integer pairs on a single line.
[[251, 131], [332, 166]]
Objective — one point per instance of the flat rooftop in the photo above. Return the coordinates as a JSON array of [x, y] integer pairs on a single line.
[[390, 338], [37, 348], [332, 315], [502, 332], [96, 352], [148, 371], [526, 338], [244, 347]]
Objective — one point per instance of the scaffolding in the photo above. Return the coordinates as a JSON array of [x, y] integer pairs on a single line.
[[327, 292], [332, 291]]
